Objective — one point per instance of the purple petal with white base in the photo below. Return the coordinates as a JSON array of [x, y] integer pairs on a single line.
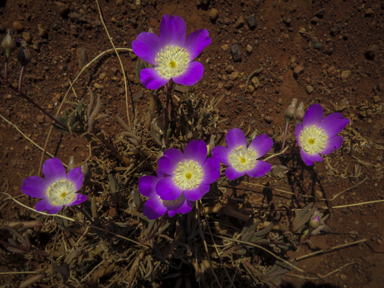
[[196, 193], [196, 42], [196, 150], [333, 144], [167, 190], [154, 208], [313, 116], [191, 75], [146, 46], [151, 79], [186, 208], [173, 30], [235, 138], [79, 198], [261, 144], [261, 168], [309, 159], [211, 171], [333, 124], [221, 153], [232, 174], [35, 187], [46, 206], [170, 160], [54, 170], [76, 177]]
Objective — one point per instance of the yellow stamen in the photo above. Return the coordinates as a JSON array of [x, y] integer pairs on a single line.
[[243, 159], [61, 192], [313, 139], [188, 175], [172, 61]]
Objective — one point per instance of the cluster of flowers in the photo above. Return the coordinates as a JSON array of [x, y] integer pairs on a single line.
[[183, 178]]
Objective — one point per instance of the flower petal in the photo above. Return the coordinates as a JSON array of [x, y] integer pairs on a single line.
[[171, 159], [54, 170], [309, 159], [186, 208], [35, 187], [235, 138], [147, 185], [233, 174], [261, 144], [154, 208], [76, 177], [146, 46], [80, 198], [221, 153], [333, 124], [211, 171], [196, 150], [196, 193], [173, 31], [313, 115], [332, 144], [151, 79], [196, 42], [46, 206], [167, 190], [191, 75], [261, 168], [298, 130]]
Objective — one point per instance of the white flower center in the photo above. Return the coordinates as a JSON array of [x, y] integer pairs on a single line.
[[313, 139], [61, 192], [172, 61], [243, 159], [188, 175]]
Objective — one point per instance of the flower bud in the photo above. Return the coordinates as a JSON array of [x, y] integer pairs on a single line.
[[315, 221], [87, 171], [299, 114], [290, 112], [24, 56], [8, 44], [71, 164]]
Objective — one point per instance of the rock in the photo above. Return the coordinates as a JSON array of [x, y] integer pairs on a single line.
[[249, 49], [336, 29], [42, 32], [133, 7], [18, 26], [320, 13], [315, 20], [252, 21], [268, 119], [236, 53], [27, 37], [123, 9], [376, 99], [40, 119], [318, 194], [331, 71], [299, 69], [82, 56], [102, 75], [119, 2], [133, 22], [62, 8], [224, 47], [240, 22], [255, 82], [287, 20], [318, 46], [257, 43], [309, 89], [344, 75], [369, 12], [371, 52], [98, 86], [280, 101], [76, 17], [229, 69], [213, 14], [343, 277], [233, 76]]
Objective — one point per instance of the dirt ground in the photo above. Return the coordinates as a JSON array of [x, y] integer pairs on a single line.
[[327, 52]]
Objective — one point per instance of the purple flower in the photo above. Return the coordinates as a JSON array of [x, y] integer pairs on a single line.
[[155, 207], [58, 189], [171, 53], [240, 159], [317, 135]]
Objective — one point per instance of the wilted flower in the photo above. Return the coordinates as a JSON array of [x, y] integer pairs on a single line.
[[171, 53], [8, 44], [24, 56], [155, 207], [190, 173], [317, 135], [240, 159], [58, 189], [289, 113], [299, 113]]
